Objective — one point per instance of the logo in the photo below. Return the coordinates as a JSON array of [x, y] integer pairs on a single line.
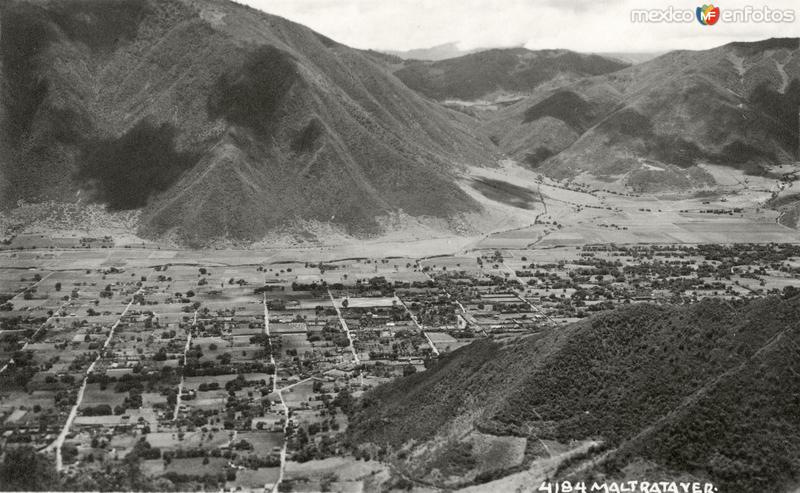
[[707, 15]]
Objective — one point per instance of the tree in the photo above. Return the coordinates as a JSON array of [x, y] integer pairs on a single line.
[[25, 470], [172, 398]]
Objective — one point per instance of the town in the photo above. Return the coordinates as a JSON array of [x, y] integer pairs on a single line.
[[220, 371]]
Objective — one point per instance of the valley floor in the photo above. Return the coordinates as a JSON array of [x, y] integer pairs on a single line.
[[241, 367]]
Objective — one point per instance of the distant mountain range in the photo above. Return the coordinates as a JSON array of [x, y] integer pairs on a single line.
[[215, 121], [438, 52], [510, 70], [451, 50], [650, 123], [631, 57]]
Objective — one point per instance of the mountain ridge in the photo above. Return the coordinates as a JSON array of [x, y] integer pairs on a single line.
[[221, 124], [734, 105], [316, 142], [434, 53], [688, 369], [497, 70]]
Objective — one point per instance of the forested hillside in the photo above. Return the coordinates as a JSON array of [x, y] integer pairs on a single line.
[[708, 389]]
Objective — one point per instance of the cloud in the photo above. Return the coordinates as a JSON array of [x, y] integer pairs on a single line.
[[582, 25]]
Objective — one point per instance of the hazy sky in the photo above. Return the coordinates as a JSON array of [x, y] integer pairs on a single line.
[[582, 25]]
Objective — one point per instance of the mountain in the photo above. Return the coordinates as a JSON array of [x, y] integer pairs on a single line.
[[631, 57], [704, 391], [205, 121], [500, 71], [438, 52], [648, 125], [216, 121]]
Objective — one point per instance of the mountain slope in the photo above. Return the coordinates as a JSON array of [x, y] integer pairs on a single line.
[[217, 121], [735, 105], [697, 390]]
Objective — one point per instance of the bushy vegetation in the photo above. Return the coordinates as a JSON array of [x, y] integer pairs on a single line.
[[538, 156], [126, 171], [710, 384], [627, 368], [674, 149], [100, 25], [454, 459], [23, 469], [780, 110], [418, 406], [28, 31], [507, 193], [566, 106], [306, 138], [25, 37], [743, 431], [251, 96]]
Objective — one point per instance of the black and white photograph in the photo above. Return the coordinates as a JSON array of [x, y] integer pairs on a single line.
[[407, 246]]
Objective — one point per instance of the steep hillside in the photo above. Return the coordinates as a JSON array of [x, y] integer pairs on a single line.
[[735, 105], [500, 72], [700, 390], [217, 121]]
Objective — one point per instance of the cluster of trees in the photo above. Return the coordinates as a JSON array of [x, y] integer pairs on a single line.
[[98, 410], [23, 469], [743, 432], [633, 365]]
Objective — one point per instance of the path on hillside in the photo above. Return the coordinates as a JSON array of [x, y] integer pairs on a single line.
[[276, 390], [59, 442]]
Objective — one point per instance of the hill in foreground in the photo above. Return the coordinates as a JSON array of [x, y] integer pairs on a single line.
[[705, 391]]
